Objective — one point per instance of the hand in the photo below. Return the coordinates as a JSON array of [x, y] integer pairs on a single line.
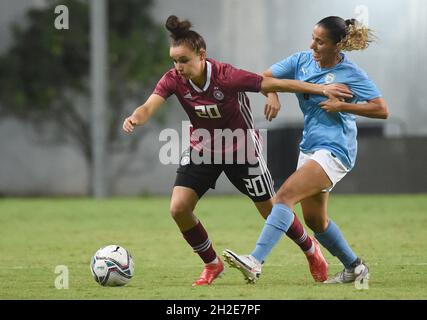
[[337, 90], [272, 107], [331, 105], [130, 123]]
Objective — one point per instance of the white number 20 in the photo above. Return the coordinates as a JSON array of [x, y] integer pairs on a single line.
[[255, 187], [210, 111]]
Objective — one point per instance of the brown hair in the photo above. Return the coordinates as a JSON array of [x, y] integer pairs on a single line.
[[347, 34], [182, 35]]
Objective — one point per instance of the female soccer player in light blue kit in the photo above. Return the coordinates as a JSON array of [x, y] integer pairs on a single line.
[[328, 147]]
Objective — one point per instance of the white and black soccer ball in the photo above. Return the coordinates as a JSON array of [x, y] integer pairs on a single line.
[[112, 266]]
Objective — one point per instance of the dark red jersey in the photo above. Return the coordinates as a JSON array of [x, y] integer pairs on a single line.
[[220, 104]]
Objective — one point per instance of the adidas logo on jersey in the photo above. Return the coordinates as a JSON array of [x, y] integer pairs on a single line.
[[188, 96]]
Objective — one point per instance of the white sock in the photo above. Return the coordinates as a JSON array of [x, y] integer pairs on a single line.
[[310, 251]]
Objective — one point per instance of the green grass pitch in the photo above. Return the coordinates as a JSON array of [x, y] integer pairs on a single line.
[[36, 235]]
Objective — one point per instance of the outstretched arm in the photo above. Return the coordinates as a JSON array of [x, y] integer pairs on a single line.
[[284, 85], [270, 86], [143, 113], [375, 108]]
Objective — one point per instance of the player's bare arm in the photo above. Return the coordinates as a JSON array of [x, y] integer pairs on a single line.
[[143, 113], [376, 108], [284, 85], [272, 105]]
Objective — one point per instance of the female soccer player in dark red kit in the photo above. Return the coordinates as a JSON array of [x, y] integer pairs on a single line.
[[213, 96]]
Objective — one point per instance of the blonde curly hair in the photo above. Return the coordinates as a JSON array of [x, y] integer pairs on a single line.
[[358, 36]]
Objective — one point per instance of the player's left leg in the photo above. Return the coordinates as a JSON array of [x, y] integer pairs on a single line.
[[329, 235], [315, 212]]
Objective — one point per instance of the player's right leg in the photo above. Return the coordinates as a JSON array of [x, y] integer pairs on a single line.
[[306, 181], [246, 264], [183, 203], [191, 183], [297, 233], [260, 189], [256, 183]]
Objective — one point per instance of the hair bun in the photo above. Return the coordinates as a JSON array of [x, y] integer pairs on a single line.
[[176, 27]]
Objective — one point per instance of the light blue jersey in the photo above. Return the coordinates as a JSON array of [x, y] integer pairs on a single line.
[[337, 131]]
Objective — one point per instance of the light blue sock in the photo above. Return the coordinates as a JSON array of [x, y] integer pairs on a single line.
[[333, 240], [277, 223]]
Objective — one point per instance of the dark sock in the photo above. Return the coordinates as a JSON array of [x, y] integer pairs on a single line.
[[298, 234], [198, 239]]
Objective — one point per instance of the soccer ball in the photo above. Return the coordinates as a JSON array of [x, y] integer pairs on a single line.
[[112, 266]]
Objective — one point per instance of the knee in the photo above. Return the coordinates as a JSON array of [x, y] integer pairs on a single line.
[[311, 223], [286, 195], [179, 209], [317, 224]]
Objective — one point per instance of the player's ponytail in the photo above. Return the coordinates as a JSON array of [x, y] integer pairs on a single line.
[[358, 36], [180, 34], [347, 34]]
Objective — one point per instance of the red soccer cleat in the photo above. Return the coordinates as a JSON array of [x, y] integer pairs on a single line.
[[210, 273], [317, 263]]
